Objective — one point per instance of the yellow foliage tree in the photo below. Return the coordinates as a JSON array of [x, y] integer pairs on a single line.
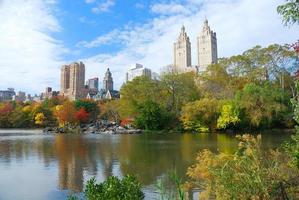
[[39, 118]]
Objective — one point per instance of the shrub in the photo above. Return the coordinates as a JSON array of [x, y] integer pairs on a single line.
[[127, 188], [247, 174]]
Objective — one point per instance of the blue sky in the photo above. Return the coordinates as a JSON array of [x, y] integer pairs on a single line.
[[38, 36]]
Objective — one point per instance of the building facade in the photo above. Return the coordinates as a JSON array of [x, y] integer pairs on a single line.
[[72, 80], [108, 81], [206, 47], [107, 92], [7, 95], [93, 84], [182, 52], [136, 71]]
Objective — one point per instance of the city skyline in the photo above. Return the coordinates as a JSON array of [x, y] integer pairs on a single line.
[[34, 46]]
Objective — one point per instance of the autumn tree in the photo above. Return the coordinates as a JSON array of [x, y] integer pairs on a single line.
[[81, 116], [65, 113], [200, 115], [90, 106]]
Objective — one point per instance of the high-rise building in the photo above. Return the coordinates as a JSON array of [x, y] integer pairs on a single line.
[[138, 70], [93, 84], [72, 80], [7, 95], [20, 96], [65, 79], [182, 52], [108, 81], [206, 47]]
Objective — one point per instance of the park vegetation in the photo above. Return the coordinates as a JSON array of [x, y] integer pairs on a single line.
[[247, 91]]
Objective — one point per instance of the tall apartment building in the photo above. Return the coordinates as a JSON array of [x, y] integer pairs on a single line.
[[108, 81], [138, 70], [93, 84], [206, 47], [7, 95], [182, 52], [72, 80]]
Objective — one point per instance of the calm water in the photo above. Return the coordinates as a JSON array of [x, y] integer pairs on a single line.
[[35, 166]]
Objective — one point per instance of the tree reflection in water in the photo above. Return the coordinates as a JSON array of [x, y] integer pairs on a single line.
[[148, 156]]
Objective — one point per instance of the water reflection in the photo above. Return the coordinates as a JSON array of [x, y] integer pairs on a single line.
[[72, 159]]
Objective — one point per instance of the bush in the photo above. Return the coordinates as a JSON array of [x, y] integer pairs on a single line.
[[247, 174], [127, 188]]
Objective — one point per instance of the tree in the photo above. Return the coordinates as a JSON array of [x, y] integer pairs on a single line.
[[138, 91], [179, 89], [65, 113], [81, 116], [229, 116], [6, 110], [39, 118], [200, 115], [151, 116], [289, 12], [89, 106], [259, 104], [110, 110]]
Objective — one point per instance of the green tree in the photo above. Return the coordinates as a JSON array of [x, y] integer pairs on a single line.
[[259, 104], [179, 89], [138, 91], [151, 116], [289, 12]]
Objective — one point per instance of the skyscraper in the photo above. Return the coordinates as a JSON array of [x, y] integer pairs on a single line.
[[108, 81], [93, 84], [182, 52], [72, 80], [138, 70], [206, 47]]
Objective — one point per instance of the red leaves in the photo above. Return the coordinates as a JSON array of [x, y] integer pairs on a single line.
[[6, 109], [126, 122], [81, 115]]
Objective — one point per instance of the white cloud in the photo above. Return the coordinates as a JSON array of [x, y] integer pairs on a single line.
[[30, 57], [240, 25], [169, 9], [103, 6]]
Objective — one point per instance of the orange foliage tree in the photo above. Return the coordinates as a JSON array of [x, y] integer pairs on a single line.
[[65, 113]]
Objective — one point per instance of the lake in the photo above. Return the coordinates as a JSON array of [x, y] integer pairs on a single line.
[[36, 166]]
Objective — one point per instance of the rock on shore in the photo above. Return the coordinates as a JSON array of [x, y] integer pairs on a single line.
[[98, 127]]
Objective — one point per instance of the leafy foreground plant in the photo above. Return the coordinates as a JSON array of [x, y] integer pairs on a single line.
[[127, 188], [247, 174]]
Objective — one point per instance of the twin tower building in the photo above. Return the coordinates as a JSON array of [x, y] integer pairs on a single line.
[[206, 50]]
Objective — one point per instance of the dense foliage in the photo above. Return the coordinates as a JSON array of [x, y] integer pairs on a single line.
[[250, 173], [51, 112], [247, 91], [289, 11], [127, 188]]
